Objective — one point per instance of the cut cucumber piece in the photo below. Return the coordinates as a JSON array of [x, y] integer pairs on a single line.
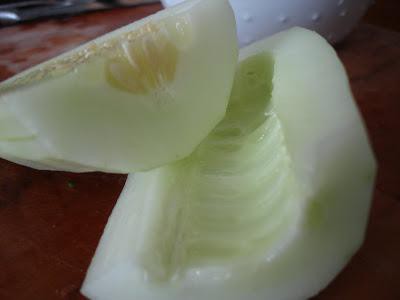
[[271, 206], [137, 98]]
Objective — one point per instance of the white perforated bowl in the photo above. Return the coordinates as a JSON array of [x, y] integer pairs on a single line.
[[256, 19]]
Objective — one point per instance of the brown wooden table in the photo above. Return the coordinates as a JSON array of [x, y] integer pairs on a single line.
[[50, 222]]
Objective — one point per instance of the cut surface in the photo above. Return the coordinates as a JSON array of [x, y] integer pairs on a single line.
[[270, 206], [109, 104], [236, 196]]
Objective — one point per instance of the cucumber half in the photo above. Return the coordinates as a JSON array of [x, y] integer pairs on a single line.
[[270, 206], [134, 99]]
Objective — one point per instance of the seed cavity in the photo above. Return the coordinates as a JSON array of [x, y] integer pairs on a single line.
[[146, 59], [236, 197]]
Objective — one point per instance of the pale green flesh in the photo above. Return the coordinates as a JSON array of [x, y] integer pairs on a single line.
[[236, 195], [270, 206], [137, 98]]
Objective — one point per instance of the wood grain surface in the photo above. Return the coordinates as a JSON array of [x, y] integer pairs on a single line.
[[385, 13], [50, 222]]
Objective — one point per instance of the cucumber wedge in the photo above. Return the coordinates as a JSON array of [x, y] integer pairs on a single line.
[[270, 206], [134, 99]]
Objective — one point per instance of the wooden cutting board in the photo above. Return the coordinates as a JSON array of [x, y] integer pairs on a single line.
[[50, 222]]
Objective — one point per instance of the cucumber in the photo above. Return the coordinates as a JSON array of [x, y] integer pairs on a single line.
[[134, 99], [270, 206]]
